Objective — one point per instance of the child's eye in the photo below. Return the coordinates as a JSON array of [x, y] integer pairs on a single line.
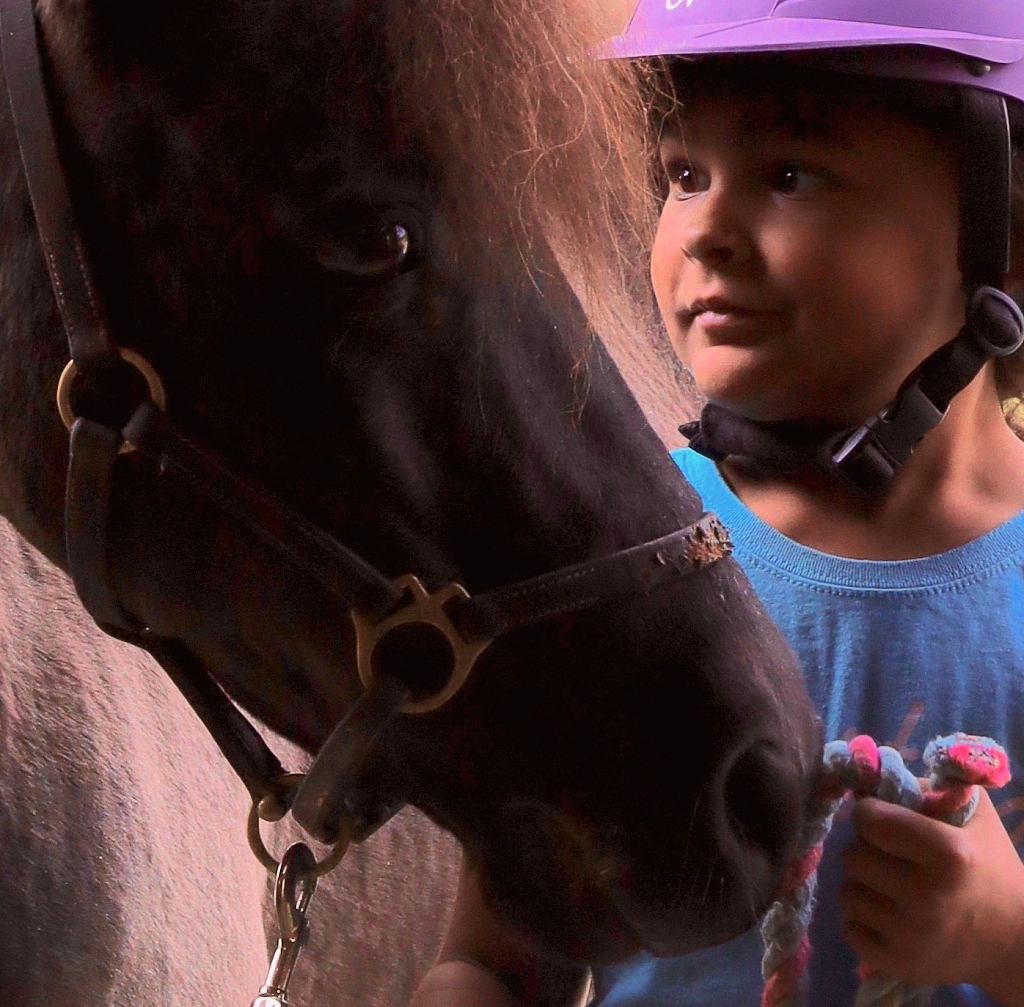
[[685, 180], [793, 179]]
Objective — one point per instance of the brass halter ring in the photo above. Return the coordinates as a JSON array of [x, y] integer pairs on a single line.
[[266, 858], [422, 607], [155, 386]]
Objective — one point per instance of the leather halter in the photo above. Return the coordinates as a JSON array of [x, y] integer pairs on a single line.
[[378, 604]]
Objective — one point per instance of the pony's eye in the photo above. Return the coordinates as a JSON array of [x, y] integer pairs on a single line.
[[375, 251]]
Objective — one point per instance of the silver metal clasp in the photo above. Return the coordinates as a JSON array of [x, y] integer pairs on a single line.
[[293, 889]]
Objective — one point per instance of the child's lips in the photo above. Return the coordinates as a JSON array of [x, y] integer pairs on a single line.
[[723, 318], [718, 305], [730, 326]]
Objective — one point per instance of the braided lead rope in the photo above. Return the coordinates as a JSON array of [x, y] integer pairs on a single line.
[[957, 764], [859, 767]]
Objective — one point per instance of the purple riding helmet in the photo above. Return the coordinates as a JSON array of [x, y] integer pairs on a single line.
[[978, 46]]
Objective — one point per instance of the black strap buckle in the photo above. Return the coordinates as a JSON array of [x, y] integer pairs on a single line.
[[870, 457]]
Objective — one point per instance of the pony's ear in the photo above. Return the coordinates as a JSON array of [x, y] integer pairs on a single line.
[[196, 40], [153, 35]]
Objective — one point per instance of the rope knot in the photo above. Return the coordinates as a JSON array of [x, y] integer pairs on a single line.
[[957, 765]]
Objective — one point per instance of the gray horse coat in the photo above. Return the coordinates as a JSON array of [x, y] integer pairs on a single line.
[[126, 876]]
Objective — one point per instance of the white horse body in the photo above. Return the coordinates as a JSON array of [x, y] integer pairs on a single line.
[[126, 876]]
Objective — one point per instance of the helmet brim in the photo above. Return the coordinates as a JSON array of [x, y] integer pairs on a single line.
[[791, 34], [916, 53]]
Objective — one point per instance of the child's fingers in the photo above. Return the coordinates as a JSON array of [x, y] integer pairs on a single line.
[[877, 870], [864, 906], [869, 945], [901, 833]]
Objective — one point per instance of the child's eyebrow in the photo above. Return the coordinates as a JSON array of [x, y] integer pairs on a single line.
[[803, 121], [796, 121]]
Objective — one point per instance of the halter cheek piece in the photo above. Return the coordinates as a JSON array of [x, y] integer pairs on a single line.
[[867, 457], [332, 802]]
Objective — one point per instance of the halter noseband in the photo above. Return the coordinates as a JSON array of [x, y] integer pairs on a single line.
[[328, 800]]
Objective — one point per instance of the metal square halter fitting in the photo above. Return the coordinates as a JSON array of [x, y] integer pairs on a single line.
[[426, 609]]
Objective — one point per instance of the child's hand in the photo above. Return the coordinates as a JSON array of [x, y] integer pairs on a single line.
[[931, 903]]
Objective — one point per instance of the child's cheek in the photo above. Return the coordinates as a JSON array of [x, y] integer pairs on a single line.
[[666, 261], [661, 264], [664, 279]]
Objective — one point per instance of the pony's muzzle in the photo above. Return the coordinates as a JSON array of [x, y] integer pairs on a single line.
[[745, 830], [761, 796]]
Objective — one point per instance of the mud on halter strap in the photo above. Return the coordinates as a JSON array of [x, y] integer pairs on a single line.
[[328, 801], [867, 457]]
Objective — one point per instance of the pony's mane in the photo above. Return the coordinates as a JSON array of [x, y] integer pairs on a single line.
[[537, 140]]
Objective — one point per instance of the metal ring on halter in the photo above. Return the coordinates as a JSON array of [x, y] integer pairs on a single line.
[[266, 858], [428, 609], [155, 386]]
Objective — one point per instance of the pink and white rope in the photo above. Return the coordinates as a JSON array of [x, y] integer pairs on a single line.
[[957, 765]]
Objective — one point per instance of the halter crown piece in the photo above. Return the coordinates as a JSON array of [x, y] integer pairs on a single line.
[[333, 801], [977, 47]]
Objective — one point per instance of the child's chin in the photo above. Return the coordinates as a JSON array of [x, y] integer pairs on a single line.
[[756, 382], [751, 391]]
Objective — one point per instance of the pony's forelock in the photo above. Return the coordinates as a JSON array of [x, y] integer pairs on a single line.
[[538, 143]]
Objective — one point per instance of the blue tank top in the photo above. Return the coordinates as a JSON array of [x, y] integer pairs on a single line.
[[903, 651]]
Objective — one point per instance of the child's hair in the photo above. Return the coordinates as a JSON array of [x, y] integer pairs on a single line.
[[805, 88]]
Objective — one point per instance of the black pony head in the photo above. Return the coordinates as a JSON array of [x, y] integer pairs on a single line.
[[342, 233]]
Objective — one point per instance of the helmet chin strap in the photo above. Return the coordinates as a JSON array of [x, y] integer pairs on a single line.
[[867, 457]]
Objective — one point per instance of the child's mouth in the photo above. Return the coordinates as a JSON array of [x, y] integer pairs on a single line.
[[730, 324], [723, 319]]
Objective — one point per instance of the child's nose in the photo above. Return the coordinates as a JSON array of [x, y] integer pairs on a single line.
[[715, 234]]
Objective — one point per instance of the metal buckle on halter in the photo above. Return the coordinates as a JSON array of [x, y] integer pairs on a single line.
[[273, 810], [427, 609], [324, 804], [155, 386]]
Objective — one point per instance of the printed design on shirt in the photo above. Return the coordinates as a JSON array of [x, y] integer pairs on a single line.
[[1010, 809], [902, 740], [1013, 808]]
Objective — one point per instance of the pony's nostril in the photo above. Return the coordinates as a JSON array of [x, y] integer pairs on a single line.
[[761, 800]]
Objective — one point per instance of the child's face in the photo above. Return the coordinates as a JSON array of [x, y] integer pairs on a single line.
[[825, 250]]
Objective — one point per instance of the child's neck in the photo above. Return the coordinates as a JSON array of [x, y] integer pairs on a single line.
[[966, 478]]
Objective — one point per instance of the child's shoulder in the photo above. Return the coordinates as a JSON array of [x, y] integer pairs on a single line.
[[930, 542]]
